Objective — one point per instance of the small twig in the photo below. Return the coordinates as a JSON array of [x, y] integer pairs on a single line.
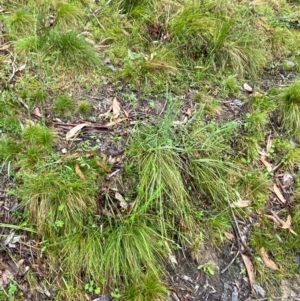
[[238, 232], [231, 262], [94, 15]]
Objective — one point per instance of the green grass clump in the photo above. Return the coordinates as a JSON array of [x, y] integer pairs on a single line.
[[148, 287], [84, 107], [64, 105], [254, 186], [161, 186], [219, 37], [38, 135], [20, 22], [81, 252], [68, 15], [132, 246], [289, 109], [9, 148], [56, 199], [68, 49], [208, 155]]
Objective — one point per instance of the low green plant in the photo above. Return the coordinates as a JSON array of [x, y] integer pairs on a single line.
[[84, 107], [20, 21], [91, 288], [289, 109], [208, 268], [64, 105], [68, 49], [148, 287], [57, 200], [38, 136], [68, 15], [116, 294], [131, 247]]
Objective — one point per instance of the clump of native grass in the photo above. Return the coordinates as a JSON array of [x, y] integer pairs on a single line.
[[208, 154], [219, 35], [19, 22], [148, 287], [68, 49], [64, 105], [57, 199], [161, 189], [289, 109], [174, 160]]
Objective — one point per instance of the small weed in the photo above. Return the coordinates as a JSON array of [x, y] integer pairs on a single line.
[[12, 289], [91, 287], [116, 294], [64, 105], [84, 107], [208, 268]]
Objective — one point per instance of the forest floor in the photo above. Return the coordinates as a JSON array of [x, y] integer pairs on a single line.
[[149, 150]]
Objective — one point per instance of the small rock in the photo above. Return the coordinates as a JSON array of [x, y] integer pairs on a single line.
[[237, 102], [247, 88], [287, 179], [259, 290]]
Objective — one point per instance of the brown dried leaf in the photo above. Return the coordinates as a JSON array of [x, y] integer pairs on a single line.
[[116, 108], [37, 112], [79, 172], [288, 225], [229, 235], [73, 131], [279, 195], [284, 225], [122, 201], [266, 163], [5, 277], [273, 218], [241, 204], [250, 269], [115, 122], [102, 165], [269, 263], [263, 156]]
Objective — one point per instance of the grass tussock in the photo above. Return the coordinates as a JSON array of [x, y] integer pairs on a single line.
[[289, 108], [68, 49], [57, 200], [148, 287], [209, 35], [182, 168]]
